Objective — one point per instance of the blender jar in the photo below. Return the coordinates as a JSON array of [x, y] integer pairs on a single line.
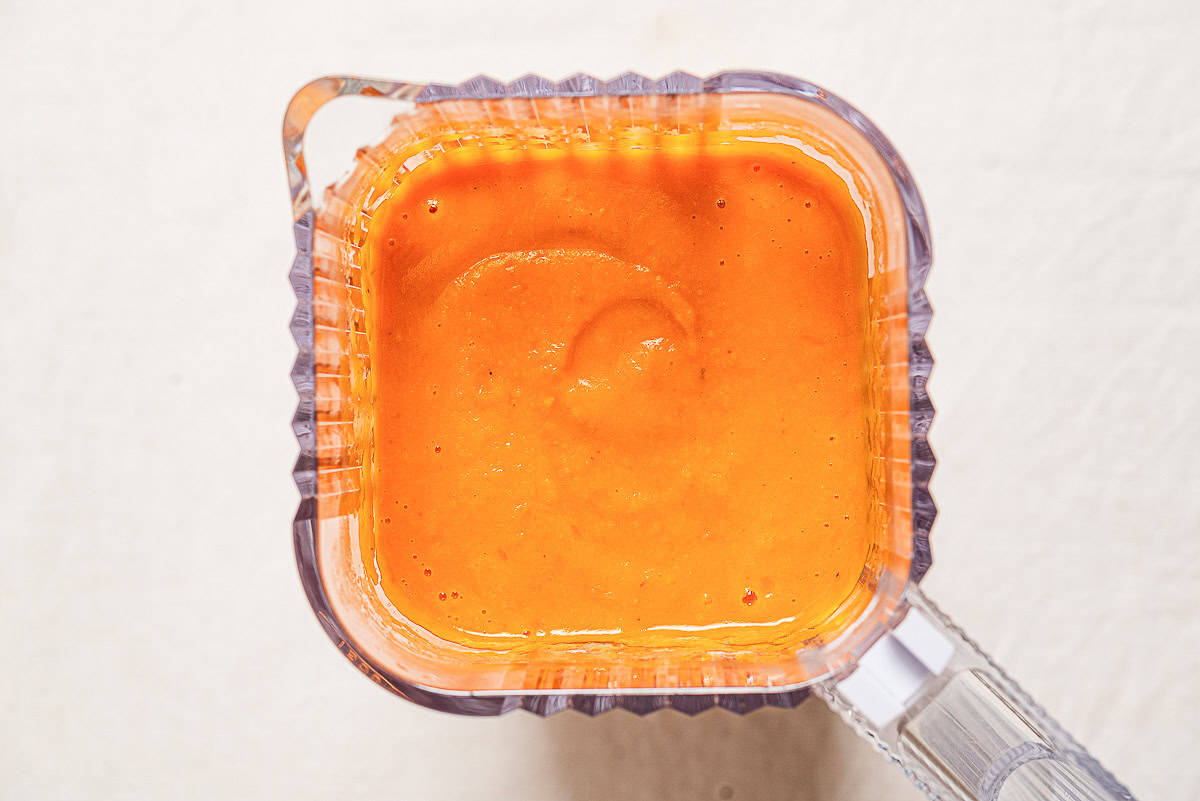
[[890, 662]]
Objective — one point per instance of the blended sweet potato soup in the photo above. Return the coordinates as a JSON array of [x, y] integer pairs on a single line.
[[619, 395]]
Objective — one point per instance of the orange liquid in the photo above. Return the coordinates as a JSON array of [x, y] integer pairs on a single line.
[[620, 396]]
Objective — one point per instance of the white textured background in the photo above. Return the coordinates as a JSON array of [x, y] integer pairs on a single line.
[[156, 644]]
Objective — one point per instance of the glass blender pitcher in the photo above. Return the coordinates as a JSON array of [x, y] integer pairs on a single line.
[[896, 669]]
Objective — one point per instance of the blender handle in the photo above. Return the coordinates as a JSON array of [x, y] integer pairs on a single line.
[[958, 727]]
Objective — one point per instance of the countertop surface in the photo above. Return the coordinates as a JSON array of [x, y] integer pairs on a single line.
[[157, 643]]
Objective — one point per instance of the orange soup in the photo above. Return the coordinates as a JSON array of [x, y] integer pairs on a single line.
[[619, 396]]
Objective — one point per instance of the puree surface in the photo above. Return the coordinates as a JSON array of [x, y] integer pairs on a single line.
[[619, 395]]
